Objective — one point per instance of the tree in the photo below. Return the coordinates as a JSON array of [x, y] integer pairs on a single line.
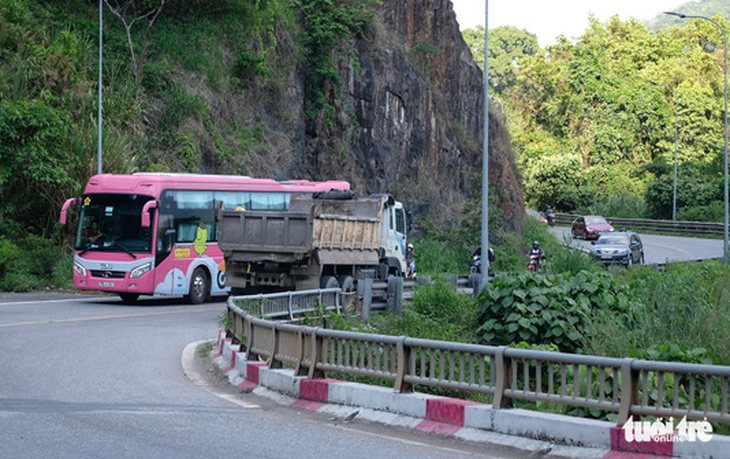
[[508, 46], [131, 11], [474, 39]]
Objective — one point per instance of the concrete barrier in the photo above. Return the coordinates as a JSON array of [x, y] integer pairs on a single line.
[[449, 416]]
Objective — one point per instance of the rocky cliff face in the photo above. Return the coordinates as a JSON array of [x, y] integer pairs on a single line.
[[408, 119], [417, 98]]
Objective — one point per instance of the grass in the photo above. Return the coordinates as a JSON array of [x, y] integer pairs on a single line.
[[205, 349]]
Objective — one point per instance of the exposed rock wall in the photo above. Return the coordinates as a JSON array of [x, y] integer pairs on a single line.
[[417, 97], [408, 118]]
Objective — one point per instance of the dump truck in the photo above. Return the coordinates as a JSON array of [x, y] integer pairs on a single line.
[[321, 241]]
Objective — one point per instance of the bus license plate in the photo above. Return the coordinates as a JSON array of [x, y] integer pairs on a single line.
[[106, 284]]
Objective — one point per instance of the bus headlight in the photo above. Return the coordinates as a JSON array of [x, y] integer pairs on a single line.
[[139, 270], [80, 270]]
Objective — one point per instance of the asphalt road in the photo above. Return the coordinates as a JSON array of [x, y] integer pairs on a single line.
[[90, 377], [661, 249]]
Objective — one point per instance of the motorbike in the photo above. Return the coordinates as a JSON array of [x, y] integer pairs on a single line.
[[534, 262], [550, 217], [476, 263]]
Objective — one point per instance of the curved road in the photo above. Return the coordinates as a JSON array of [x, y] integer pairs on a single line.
[[90, 377], [661, 249]]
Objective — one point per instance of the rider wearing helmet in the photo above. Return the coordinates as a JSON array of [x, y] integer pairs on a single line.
[[537, 250], [410, 262], [536, 257], [550, 215]]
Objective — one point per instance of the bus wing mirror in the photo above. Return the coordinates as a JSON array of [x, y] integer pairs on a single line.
[[146, 213], [64, 210]]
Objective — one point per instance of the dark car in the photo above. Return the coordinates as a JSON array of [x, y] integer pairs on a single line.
[[623, 248], [590, 227]]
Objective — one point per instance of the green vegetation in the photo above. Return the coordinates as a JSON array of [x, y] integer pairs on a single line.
[[205, 349], [182, 89], [591, 134], [547, 309], [577, 307]]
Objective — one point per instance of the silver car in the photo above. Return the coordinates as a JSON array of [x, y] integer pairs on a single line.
[[619, 248]]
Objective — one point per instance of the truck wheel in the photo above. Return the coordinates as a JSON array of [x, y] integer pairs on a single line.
[[328, 282], [347, 296], [199, 286]]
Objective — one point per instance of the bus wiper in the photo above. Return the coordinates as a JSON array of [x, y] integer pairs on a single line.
[[87, 247], [116, 244]]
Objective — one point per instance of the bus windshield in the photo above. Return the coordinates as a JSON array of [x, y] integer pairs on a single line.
[[112, 223]]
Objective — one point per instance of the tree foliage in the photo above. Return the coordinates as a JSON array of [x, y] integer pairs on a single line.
[[588, 127]]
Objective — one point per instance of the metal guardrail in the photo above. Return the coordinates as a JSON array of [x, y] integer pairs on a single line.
[[628, 387], [656, 226], [291, 304]]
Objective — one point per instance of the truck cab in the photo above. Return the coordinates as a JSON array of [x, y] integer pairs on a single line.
[[393, 228]]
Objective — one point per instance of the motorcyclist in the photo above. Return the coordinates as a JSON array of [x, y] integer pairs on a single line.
[[476, 257], [410, 262], [536, 254], [550, 216]]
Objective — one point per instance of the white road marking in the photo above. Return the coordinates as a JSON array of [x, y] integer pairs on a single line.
[[188, 357]]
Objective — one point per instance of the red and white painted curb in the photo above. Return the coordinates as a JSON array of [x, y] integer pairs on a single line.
[[530, 430]]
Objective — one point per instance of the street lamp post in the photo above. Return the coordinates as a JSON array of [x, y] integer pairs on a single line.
[[98, 121], [485, 155], [674, 197], [725, 255]]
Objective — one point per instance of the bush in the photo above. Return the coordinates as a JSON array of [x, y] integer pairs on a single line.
[[438, 259], [682, 306], [545, 309], [33, 263], [62, 273], [438, 312], [620, 206]]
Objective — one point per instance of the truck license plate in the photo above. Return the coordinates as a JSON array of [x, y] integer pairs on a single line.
[[106, 284]]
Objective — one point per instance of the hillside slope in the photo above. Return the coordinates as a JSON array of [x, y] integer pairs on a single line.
[[383, 94]]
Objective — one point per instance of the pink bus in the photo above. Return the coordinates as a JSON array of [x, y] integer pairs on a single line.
[[149, 234]]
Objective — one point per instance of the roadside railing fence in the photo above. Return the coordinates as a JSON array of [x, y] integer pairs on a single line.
[[627, 387], [655, 226]]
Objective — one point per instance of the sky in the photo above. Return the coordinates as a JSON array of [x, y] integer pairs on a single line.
[[549, 18]]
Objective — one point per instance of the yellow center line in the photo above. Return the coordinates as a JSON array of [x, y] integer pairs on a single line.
[[88, 319]]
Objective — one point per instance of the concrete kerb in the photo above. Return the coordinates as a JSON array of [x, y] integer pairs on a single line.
[[463, 419]]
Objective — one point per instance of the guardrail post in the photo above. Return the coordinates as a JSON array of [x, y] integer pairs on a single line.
[[250, 355], [629, 390], [291, 312], [475, 282], [365, 291], [234, 328], [298, 368], [395, 295], [454, 281], [404, 367], [423, 280], [338, 303], [274, 362], [316, 355], [504, 370]]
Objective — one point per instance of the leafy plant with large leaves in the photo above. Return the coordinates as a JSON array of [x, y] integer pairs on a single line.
[[546, 309]]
